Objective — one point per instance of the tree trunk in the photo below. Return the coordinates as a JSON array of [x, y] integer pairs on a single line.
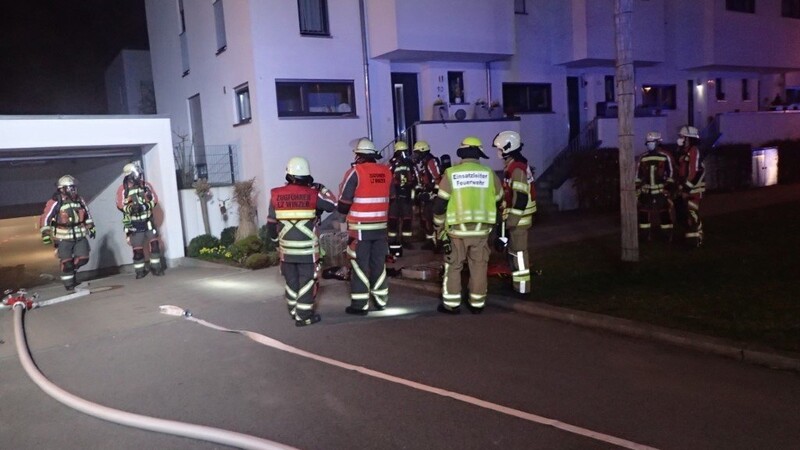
[[204, 212], [625, 100]]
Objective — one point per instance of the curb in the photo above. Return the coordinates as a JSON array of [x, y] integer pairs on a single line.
[[706, 344]]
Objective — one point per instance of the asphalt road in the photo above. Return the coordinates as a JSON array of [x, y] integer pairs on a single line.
[[114, 348]]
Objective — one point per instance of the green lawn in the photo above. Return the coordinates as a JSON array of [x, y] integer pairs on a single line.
[[743, 284]]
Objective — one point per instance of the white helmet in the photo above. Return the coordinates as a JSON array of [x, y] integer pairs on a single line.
[[653, 136], [66, 181], [298, 167], [365, 147], [507, 142], [689, 131], [132, 170]]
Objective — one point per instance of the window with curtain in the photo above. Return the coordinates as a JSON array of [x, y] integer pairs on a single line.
[[219, 22], [315, 98], [313, 17]]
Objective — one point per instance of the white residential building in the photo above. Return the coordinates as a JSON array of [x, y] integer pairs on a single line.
[[129, 84], [258, 81]]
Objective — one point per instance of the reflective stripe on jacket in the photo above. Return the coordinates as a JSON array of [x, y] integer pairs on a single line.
[[471, 198], [371, 199], [295, 209], [520, 193]]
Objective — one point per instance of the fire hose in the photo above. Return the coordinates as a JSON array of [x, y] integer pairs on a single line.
[[21, 301]]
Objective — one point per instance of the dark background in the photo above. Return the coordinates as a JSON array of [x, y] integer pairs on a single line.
[[54, 53]]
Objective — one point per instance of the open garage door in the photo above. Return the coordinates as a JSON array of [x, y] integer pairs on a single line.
[[36, 151]]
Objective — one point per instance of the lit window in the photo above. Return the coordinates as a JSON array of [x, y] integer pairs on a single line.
[[243, 114], [790, 8], [658, 96], [455, 83], [745, 6], [527, 97], [520, 7], [313, 17], [315, 98], [219, 21]]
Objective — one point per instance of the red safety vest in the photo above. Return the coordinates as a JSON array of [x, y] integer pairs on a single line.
[[296, 212], [507, 191], [371, 199]]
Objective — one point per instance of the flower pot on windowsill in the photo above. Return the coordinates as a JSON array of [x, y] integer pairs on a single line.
[[496, 112]]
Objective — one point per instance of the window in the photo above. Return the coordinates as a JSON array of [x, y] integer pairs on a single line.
[[243, 114], [745, 6], [790, 8], [745, 89], [219, 22], [609, 86], [455, 83], [527, 97], [315, 98], [719, 91], [658, 96], [313, 17], [520, 7]]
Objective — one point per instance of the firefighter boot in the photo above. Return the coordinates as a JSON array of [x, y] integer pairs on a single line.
[[310, 321], [141, 273]]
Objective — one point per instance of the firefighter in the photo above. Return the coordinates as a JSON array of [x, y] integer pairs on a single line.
[[137, 199], [465, 213], [519, 195], [654, 187], [428, 174], [292, 223], [364, 199], [401, 202], [65, 223], [690, 181]]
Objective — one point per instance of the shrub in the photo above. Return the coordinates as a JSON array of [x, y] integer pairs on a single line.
[[257, 261], [244, 248], [201, 242], [227, 236], [597, 179]]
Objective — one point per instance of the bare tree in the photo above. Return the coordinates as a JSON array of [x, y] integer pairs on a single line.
[[203, 191], [623, 12]]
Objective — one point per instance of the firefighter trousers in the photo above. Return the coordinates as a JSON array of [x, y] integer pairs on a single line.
[[520, 259], [72, 254], [401, 211], [651, 206], [138, 240], [300, 282], [475, 252], [368, 261]]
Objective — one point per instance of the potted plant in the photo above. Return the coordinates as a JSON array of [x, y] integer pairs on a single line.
[[481, 109], [495, 110], [440, 110]]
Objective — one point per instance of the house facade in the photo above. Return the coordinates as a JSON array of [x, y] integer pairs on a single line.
[[250, 83]]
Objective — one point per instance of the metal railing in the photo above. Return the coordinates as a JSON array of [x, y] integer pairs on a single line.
[[561, 166], [216, 163]]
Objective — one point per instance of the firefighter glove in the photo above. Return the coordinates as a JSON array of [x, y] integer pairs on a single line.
[[46, 239], [92, 232]]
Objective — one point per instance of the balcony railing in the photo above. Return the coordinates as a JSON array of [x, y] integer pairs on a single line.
[[216, 163]]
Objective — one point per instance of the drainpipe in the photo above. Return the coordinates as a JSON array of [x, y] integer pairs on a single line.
[[488, 82], [365, 55]]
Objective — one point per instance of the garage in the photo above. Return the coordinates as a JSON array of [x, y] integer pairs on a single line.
[[36, 150]]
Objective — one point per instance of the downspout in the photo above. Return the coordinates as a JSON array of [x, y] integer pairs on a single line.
[[365, 56], [488, 82]]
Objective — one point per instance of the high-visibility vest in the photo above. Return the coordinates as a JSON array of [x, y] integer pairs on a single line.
[[371, 199], [472, 196], [296, 211], [655, 172], [139, 195], [68, 219], [528, 188]]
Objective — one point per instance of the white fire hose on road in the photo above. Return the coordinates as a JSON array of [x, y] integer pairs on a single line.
[[20, 301]]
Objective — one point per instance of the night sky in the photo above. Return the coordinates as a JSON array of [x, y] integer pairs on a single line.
[[53, 53]]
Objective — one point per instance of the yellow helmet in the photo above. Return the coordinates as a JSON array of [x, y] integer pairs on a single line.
[[400, 146], [422, 146], [471, 141]]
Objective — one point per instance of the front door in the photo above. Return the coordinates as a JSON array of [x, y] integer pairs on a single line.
[[573, 107], [405, 101]]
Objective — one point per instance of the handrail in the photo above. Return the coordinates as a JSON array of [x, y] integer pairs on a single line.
[[408, 135], [587, 138]]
